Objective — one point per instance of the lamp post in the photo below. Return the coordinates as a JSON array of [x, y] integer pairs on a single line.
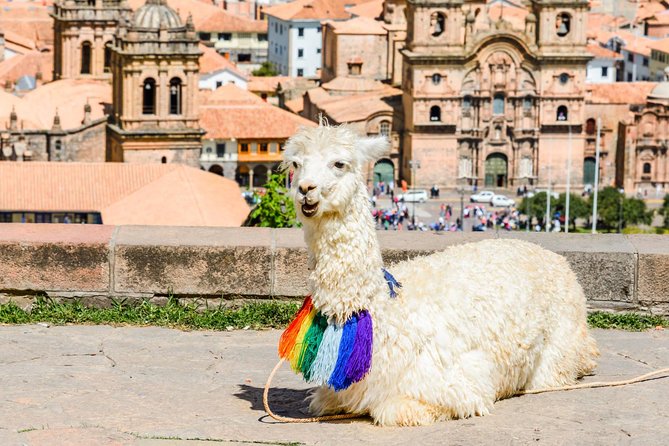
[[414, 164], [462, 208]]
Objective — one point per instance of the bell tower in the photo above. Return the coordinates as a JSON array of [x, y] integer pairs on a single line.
[[83, 32], [155, 66], [436, 25], [561, 25]]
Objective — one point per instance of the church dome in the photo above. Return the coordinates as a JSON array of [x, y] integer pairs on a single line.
[[661, 90], [531, 18], [156, 14]]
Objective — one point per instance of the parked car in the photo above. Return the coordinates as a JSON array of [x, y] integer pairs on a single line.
[[415, 195], [532, 193], [502, 201], [485, 196]]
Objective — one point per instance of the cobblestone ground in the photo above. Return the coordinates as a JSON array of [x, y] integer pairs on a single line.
[[98, 385]]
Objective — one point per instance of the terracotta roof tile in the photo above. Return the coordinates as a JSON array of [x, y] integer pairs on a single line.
[[633, 43], [268, 84], [660, 45], [124, 193], [648, 9], [312, 9], [28, 64], [619, 92], [371, 9], [358, 25], [27, 19], [354, 107], [211, 61], [602, 53], [239, 114]]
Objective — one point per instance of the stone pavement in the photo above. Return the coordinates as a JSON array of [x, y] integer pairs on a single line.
[[99, 385]]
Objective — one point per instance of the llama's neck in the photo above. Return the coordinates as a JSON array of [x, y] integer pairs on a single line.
[[346, 275]]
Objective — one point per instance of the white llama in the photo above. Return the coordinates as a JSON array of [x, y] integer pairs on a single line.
[[470, 325]]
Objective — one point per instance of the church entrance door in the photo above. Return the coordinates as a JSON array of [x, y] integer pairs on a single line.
[[384, 170], [589, 171], [496, 170]]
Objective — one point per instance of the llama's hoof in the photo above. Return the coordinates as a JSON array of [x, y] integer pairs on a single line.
[[324, 401], [404, 412]]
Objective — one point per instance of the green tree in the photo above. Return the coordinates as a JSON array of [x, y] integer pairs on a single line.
[[535, 207], [578, 208], [664, 210], [613, 208], [266, 69], [275, 209]]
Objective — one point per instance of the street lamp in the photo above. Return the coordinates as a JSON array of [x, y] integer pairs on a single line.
[[462, 208], [414, 164]]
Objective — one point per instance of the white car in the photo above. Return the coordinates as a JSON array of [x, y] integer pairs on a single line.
[[532, 193], [412, 196], [485, 196], [502, 201]]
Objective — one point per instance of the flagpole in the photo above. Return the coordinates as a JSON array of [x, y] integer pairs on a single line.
[[566, 218]]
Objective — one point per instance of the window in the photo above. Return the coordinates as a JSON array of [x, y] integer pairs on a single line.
[[219, 84], [629, 77], [107, 65], [466, 103], [228, 36], [300, 32], [605, 71], [646, 168], [318, 51], [300, 52], [175, 96], [244, 147], [436, 78], [435, 114], [562, 24], [645, 61], [243, 57], [498, 104], [262, 37], [300, 72], [590, 126], [263, 147], [149, 97], [437, 24], [91, 2], [562, 113], [318, 30], [86, 58], [384, 129], [564, 78], [205, 36], [527, 103], [220, 149], [630, 57], [163, 160]]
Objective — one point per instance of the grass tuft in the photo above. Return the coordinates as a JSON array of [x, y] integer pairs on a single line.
[[626, 321], [271, 314]]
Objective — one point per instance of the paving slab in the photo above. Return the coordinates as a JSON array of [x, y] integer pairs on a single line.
[[149, 386]]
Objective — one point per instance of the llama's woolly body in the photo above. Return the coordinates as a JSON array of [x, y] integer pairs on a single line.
[[470, 325]]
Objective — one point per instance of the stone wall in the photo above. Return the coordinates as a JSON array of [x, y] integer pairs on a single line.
[[97, 263]]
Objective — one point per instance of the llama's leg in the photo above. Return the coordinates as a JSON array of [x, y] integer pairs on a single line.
[[324, 401], [404, 411]]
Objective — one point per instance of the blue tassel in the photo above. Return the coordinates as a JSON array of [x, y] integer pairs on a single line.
[[391, 283], [338, 378]]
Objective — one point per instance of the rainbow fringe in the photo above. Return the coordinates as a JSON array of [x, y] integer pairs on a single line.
[[328, 354]]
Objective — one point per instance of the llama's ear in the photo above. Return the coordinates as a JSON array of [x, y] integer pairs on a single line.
[[371, 148]]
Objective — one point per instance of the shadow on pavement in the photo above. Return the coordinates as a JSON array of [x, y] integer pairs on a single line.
[[286, 402]]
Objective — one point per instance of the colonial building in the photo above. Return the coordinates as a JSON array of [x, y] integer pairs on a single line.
[[83, 35], [155, 115], [643, 164], [488, 104]]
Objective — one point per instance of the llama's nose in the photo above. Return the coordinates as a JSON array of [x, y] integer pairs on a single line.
[[306, 186]]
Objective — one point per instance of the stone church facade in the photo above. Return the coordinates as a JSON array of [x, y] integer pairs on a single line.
[[488, 104]]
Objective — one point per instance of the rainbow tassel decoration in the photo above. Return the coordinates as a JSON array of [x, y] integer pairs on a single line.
[[328, 354]]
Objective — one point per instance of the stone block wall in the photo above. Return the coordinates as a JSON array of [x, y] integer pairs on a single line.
[[98, 263]]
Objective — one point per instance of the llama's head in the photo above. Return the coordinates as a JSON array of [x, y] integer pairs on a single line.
[[327, 165]]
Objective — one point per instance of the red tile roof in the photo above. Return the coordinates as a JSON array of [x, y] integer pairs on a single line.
[[619, 92], [312, 9], [211, 61], [358, 25], [353, 108], [28, 64], [235, 113], [141, 194], [27, 19], [602, 53], [372, 9], [633, 43], [660, 45], [268, 84]]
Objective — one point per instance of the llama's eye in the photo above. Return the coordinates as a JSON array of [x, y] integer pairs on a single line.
[[339, 165], [295, 165]]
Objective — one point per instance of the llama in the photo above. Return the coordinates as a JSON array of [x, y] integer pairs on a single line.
[[469, 325]]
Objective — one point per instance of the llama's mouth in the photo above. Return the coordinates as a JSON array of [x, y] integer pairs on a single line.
[[309, 210]]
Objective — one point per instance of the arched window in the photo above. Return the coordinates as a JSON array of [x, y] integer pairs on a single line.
[[91, 2], [436, 78], [562, 113], [435, 114], [107, 67], [163, 160], [466, 103], [590, 126], [384, 129], [527, 103], [86, 58], [646, 168], [498, 104], [149, 97], [437, 24], [562, 24], [175, 96]]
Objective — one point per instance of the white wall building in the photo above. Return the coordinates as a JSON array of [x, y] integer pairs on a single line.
[[603, 68], [225, 76], [295, 46]]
